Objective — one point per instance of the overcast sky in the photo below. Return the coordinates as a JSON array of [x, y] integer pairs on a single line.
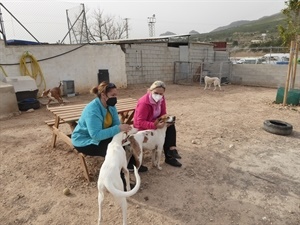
[[46, 20]]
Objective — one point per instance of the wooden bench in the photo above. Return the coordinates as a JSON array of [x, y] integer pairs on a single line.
[[70, 114]]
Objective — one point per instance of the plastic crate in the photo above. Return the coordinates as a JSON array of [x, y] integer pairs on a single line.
[[293, 96]]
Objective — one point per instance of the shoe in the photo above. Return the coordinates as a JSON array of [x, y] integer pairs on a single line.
[[173, 162], [175, 154], [142, 168]]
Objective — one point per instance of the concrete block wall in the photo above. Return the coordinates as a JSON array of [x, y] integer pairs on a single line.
[[148, 62], [263, 75], [68, 62], [199, 52]]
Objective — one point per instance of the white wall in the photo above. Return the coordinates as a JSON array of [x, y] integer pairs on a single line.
[[263, 75], [141, 63], [69, 62]]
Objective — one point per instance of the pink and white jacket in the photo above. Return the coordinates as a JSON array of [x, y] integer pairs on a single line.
[[147, 111]]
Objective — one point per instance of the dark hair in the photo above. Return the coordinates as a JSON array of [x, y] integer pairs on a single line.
[[103, 87]]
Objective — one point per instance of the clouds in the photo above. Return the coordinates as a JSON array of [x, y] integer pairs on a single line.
[[47, 19]]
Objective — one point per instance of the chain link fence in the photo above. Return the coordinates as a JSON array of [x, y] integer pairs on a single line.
[[190, 73]]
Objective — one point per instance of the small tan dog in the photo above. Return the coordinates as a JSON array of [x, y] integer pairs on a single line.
[[212, 80], [53, 94]]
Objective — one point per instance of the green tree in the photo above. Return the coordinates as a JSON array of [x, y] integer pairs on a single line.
[[292, 27]]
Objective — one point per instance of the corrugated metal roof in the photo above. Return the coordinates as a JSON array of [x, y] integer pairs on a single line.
[[142, 40]]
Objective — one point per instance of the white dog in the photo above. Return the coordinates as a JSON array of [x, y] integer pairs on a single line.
[[212, 80], [109, 176], [153, 139]]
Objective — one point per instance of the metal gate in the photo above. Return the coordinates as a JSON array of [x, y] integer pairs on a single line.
[[193, 72], [186, 72]]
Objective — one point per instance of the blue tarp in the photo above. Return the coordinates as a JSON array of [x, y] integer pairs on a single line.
[[22, 42]]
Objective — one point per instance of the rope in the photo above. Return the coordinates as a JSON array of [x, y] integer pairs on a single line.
[[3, 71], [35, 71]]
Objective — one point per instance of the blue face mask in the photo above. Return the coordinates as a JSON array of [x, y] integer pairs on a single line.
[[111, 101]]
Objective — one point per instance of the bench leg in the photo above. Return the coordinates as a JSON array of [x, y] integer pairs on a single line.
[[84, 167]]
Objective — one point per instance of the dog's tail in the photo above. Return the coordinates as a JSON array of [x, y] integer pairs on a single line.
[[111, 188]]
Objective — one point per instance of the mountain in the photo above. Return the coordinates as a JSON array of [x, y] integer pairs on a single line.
[[233, 24], [194, 32], [167, 33], [243, 31]]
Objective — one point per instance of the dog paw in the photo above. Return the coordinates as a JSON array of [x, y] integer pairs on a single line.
[[159, 167]]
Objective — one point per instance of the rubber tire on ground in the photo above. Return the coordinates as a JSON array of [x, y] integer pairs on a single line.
[[278, 127]]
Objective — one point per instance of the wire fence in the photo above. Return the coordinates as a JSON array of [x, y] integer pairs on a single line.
[[190, 73]]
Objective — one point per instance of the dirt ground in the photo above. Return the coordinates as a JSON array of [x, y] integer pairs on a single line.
[[233, 171]]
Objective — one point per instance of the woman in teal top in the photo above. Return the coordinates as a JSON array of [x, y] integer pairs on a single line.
[[99, 122]]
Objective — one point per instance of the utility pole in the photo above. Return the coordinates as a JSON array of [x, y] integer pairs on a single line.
[[151, 24], [2, 31], [126, 27]]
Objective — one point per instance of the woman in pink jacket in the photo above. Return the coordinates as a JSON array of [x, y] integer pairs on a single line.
[[150, 107]]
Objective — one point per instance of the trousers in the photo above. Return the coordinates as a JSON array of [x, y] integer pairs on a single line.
[[95, 150]]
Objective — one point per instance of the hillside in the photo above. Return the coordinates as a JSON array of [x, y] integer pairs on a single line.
[[242, 32]]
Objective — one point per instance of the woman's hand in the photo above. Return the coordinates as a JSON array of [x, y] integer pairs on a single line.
[[125, 127], [160, 124]]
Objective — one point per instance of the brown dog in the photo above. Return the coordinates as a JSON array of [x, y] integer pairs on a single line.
[[53, 94]]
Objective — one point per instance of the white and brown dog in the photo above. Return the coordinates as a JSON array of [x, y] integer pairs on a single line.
[[109, 176], [53, 94], [153, 139], [212, 80]]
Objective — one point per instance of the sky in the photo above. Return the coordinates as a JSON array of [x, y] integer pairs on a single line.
[[46, 20]]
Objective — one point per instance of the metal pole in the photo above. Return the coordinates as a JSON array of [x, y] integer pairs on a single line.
[[2, 26], [86, 27], [126, 27], [151, 24], [19, 22], [68, 21]]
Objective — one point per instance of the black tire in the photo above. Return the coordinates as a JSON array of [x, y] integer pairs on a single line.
[[278, 127]]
